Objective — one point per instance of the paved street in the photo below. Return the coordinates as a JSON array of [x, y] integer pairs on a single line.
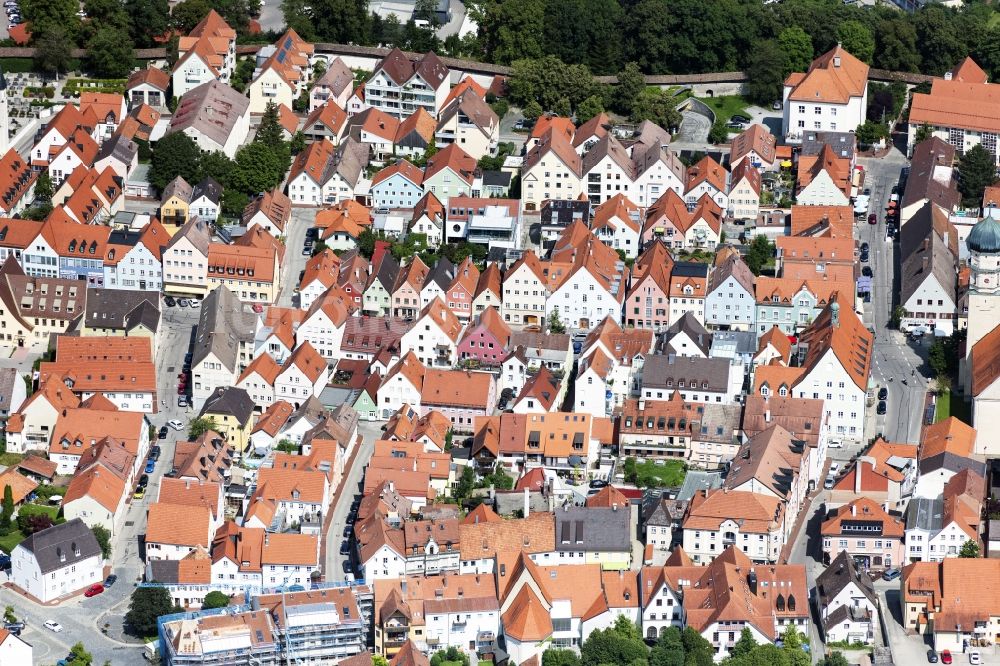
[[370, 431], [895, 357], [271, 18], [808, 551], [294, 261]]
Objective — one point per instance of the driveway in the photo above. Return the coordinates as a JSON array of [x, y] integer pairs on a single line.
[[271, 17]]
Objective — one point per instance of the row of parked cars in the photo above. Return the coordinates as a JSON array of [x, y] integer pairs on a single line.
[[170, 302]]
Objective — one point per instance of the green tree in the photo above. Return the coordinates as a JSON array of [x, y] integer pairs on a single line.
[[696, 647], [147, 604], [871, 132], [560, 657], [555, 323], [618, 644], [259, 167], [938, 41], [796, 45], [857, 39], [379, 660], [78, 656], [976, 171], [762, 655], [834, 659], [669, 649], [744, 645], [532, 111], [51, 54], [659, 107], [8, 507], [148, 19], [923, 133], [589, 108], [548, 80], [562, 107], [631, 84], [109, 53], [174, 155], [520, 30], [765, 76], [969, 550], [896, 39], [9, 615], [201, 425], [215, 599], [270, 132], [217, 166], [760, 251], [43, 187], [103, 537], [719, 133], [186, 15], [465, 484], [298, 143], [53, 17], [106, 13]]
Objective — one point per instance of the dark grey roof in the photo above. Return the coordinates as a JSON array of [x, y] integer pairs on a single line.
[[592, 529], [925, 182], [119, 147], [443, 273], [667, 371], [923, 252], [213, 109], [61, 546], [844, 612], [953, 463], [337, 77], [122, 308], [224, 322], [689, 325], [7, 378], [164, 571], [563, 212], [843, 571], [349, 160], [733, 267], [924, 513], [745, 341], [125, 237], [660, 511], [208, 188], [197, 231], [496, 179], [229, 400], [844, 144], [388, 271], [697, 480], [689, 269], [179, 187]]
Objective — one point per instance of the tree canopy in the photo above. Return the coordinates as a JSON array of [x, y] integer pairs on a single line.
[[976, 170], [147, 604]]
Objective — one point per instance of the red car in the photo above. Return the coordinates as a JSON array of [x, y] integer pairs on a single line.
[[93, 590], [181, 390], [946, 656], [872, 218]]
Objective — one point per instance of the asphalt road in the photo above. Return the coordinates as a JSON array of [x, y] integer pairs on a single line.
[[294, 261], [895, 357], [271, 18], [333, 567]]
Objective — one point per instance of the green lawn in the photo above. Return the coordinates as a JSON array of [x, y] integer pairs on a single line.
[[8, 542], [10, 459], [949, 404], [726, 106], [669, 474]]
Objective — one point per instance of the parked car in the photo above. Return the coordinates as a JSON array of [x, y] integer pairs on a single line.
[[150, 466], [345, 547], [891, 575], [94, 590], [866, 271], [154, 452], [183, 302], [195, 303], [110, 580], [52, 625], [598, 483], [945, 656], [932, 657], [834, 466], [163, 433], [139, 493], [828, 483], [143, 480], [880, 409], [182, 401], [883, 393], [975, 657], [14, 627], [737, 118], [347, 566], [347, 530], [169, 301], [872, 218], [864, 256], [734, 125]]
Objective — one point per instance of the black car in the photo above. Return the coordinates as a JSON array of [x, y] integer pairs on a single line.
[[864, 256], [347, 530], [143, 481], [154, 453], [345, 547], [169, 301], [110, 580], [932, 657], [163, 433], [598, 483], [737, 118], [881, 407], [352, 516], [866, 271], [347, 566], [883, 393], [735, 125], [864, 247]]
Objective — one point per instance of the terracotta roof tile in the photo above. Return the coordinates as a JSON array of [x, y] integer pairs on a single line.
[[833, 77], [177, 525]]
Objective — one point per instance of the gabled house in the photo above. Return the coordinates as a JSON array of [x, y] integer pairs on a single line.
[[327, 121], [466, 119], [617, 223], [399, 86], [757, 145], [271, 211], [553, 154], [486, 340], [592, 285], [729, 303], [215, 116], [336, 83], [60, 560], [876, 545], [847, 602], [824, 179], [831, 95], [399, 185], [324, 174], [207, 53], [435, 335], [450, 172], [284, 73]]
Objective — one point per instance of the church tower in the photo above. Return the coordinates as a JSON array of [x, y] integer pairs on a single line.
[[4, 117], [984, 288]]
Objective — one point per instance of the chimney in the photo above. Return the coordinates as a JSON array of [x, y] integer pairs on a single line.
[[752, 582], [527, 503], [267, 538], [836, 61], [767, 415], [854, 510], [835, 314]]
